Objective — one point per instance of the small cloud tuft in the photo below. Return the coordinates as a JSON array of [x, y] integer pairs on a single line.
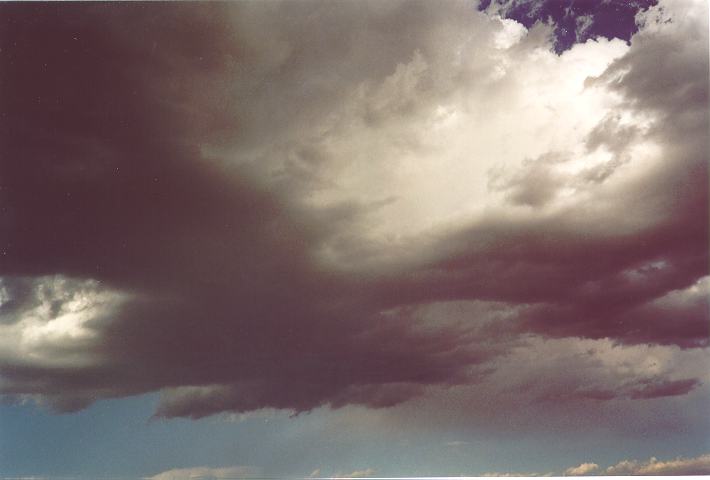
[[368, 472], [583, 469]]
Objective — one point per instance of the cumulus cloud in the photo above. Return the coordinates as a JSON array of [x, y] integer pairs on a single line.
[[573, 22], [699, 465], [582, 469], [206, 473], [270, 205], [680, 466], [516, 474]]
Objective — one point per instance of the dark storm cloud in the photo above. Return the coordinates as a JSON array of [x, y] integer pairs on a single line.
[[115, 122], [643, 388], [548, 264], [664, 388], [106, 108]]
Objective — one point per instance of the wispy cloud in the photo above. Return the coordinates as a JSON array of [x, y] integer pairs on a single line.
[[368, 472]]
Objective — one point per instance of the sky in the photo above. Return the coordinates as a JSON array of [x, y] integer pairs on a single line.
[[354, 239]]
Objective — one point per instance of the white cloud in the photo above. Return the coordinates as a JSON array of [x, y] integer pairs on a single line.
[[436, 141], [583, 469], [516, 474], [584, 22], [679, 466], [510, 35], [54, 319], [207, 473], [368, 472], [423, 128]]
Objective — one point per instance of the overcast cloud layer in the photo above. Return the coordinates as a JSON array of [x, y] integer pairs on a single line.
[[305, 204]]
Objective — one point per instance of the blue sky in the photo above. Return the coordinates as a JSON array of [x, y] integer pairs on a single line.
[[117, 438]]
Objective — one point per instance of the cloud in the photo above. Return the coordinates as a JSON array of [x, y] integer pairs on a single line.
[[680, 466], [368, 472], [241, 211], [557, 387], [582, 469], [207, 473], [573, 22], [516, 474]]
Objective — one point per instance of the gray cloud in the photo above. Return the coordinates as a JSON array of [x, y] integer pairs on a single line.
[[223, 203]]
